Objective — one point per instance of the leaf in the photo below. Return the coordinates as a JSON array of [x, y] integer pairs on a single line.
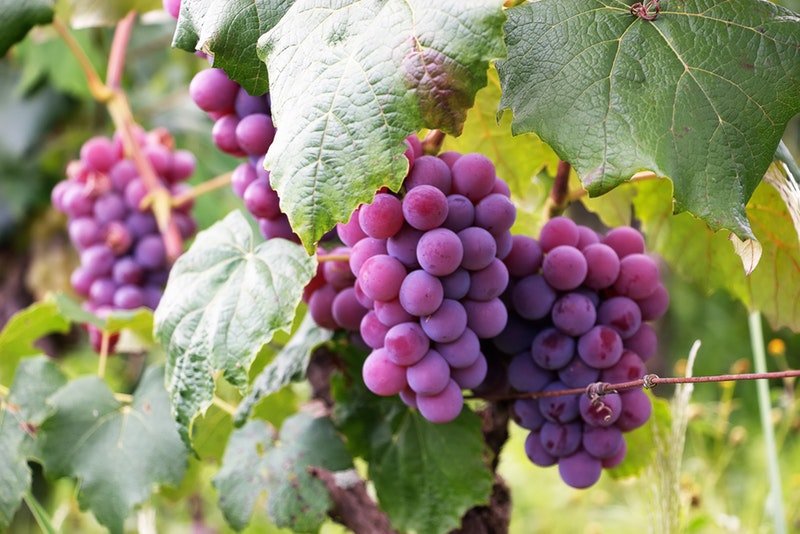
[[139, 321], [349, 80], [426, 475], [20, 414], [229, 30], [94, 13], [117, 452], [23, 329], [257, 461], [17, 18], [702, 94], [289, 365], [225, 298]]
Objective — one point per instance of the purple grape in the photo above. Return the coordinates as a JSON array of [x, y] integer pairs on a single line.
[[173, 7], [150, 252], [532, 297], [501, 188], [363, 299], [577, 374], [97, 260], [603, 412], [479, 246], [429, 170], [600, 347], [602, 266], [160, 159], [76, 202], [561, 440], [525, 257], [382, 218], [456, 285], [183, 166], [364, 250], [381, 277], [551, 349], [123, 173], [82, 280], [373, 331], [421, 294], [440, 252], [656, 305], [350, 232], [84, 232], [473, 176], [126, 271], [602, 443], [558, 232], [462, 352], [536, 452], [243, 175], [622, 314], [347, 311], [224, 135], [495, 213], [337, 273], [409, 398], [525, 375], [614, 461], [102, 292], [629, 367], [564, 268], [625, 240], [472, 376], [254, 133], [561, 409], [460, 213], [406, 343], [450, 157], [98, 154], [134, 194], [442, 407], [213, 91], [515, 337], [447, 323], [504, 243], [186, 224], [430, 375], [128, 297], [141, 224], [638, 276], [392, 313], [277, 229], [644, 342], [487, 319], [527, 415], [636, 410], [586, 237], [381, 376], [152, 296], [580, 470], [261, 200], [574, 314], [403, 246], [320, 306], [425, 207], [250, 105], [488, 283]]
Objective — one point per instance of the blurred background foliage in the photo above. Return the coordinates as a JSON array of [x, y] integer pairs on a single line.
[[46, 113]]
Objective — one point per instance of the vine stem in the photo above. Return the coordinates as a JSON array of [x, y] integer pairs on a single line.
[[119, 47], [432, 143], [105, 341], [559, 194], [775, 497], [647, 381], [218, 182], [39, 513], [224, 406], [322, 258]]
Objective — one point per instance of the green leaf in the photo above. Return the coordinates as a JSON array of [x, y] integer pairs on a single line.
[[93, 13], [25, 328], [117, 452], [640, 450], [257, 462], [700, 95], [17, 18], [20, 414], [229, 30], [289, 365], [349, 80], [225, 298]]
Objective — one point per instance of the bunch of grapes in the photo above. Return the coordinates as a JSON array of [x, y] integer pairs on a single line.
[[124, 263], [579, 303], [428, 265]]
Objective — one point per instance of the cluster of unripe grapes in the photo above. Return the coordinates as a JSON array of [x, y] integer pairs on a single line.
[[123, 259]]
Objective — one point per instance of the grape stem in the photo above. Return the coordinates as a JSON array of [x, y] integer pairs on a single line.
[[104, 345], [559, 194], [648, 381], [322, 258], [116, 102], [218, 182], [124, 398], [432, 143]]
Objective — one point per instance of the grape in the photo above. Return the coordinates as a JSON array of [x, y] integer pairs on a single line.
[[213, 91], [615, 460], [141, 224], [460, 213], [636, 410], [183, 166], [320, 306], [586, 237], [602, 266], [472, 376], [644, 342], [462, 352], [118, 239], [564, 268], [629, 367], [415, 145], [160, 158], [479, 248], [429, 170], [84, 232], [532, 297], [77, 202], [383, 218], [430, 375], [392, 313], [557, 232], [250, 105], [123, 173], [363, 299], [97, 260], [134, 195], [504, 243], [638, 276], [127, 271], [625, 240], [527, 415], [261, 200], [128, 297], [486, 319], [561, 440], [186, 224], [442, 407], [224, 135], [425, 207], [254, 133], [382, 376], [363, 250], [561, 409], [150, 252], [421, 293], [450, 158], [501, 187], [409, 398], [488, 283], [580, 470], [525, 375], [600, 347], [574, 314], [602, 443], [337, 273], [654, 306], [347, 312], [98, 154], [456, 285], [373, 331], [102, 292], [447, 323], [515, 337], [351, 233], [277, 228], [495, 213], [536, 452], [473, 176], [81, 279], [440, 252], [403, 246], [173, 7], [603, 412], [381, 277], [525, 257], [406, 343], [553, 350], [577, 374], [622, 314]]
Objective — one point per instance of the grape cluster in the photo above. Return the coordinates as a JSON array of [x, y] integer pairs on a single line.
[[428, 265], [578, 304], [123, 261]]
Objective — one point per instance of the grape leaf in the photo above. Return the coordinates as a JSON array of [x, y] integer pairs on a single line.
[[349, 80], [23, 329], [290, 364], [20, 414], [701, 95], [257, 461], [118, 452], [93, 13], [139, 321], [17, 18], [225, 298], [229, 30]]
